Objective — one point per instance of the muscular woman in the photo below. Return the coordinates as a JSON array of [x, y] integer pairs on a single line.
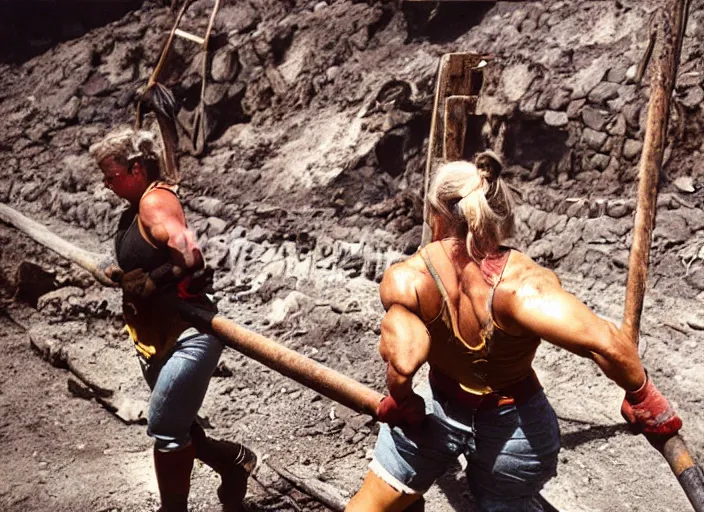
[[476, 311], [158, 256]]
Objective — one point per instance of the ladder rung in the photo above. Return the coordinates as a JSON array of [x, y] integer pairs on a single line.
[[189, 36]]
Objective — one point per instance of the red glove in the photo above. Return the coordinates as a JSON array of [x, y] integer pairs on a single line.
[[411, 411], [195, 285], [648, 412]]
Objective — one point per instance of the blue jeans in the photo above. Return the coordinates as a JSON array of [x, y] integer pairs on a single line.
[[511, 451], [179, 382]]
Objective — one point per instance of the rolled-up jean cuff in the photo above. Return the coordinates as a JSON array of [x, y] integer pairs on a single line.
[[379, 470]]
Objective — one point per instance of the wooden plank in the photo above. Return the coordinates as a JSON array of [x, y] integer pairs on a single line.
[[455, 78], [187, 35], [459, 74], [457, 110]]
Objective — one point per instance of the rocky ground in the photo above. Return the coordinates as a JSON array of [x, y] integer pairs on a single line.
[[317, 116]]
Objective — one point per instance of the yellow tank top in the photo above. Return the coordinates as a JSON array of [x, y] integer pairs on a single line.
[[497, 361]]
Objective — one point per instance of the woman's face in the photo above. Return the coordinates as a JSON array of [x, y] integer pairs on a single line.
[[124, 183]]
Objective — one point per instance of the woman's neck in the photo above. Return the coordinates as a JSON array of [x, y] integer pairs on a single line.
[[456, 249]]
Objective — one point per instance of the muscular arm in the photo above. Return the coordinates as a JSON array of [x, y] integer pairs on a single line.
[[405, 342], [539, 304], [163, 219]]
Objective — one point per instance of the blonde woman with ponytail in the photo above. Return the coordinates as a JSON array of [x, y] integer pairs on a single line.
[[476, 311]]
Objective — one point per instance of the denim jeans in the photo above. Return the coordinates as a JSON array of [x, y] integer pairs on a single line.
[[179, 382], [511, 451]]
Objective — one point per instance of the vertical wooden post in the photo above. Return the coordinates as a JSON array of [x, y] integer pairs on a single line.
[[671, 32], [457, 109], [662, 83], [457, 74]]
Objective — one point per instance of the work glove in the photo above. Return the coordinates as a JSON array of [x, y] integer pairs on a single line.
[[113, 272], [143, 284], [196, 284], [409, 412], [137, 283], [647, 411]]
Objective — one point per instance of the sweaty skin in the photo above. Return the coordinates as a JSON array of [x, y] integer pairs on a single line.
[[529, 300], [162, 218]]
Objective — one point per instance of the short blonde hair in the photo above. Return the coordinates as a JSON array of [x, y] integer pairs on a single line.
[[474, 199], [126, 146]]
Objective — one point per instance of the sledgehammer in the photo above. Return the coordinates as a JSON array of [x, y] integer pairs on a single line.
[[302, 369]]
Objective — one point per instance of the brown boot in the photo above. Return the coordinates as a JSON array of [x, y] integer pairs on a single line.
[[234, 463], [173, 475]]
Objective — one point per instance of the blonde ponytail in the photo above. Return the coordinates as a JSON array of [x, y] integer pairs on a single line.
[[476, 202]]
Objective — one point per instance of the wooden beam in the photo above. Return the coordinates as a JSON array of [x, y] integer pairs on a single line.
[[457, 110], [288, 362], [459, 74]]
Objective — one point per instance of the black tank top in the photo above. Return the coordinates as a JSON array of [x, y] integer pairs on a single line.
[[131, 249]]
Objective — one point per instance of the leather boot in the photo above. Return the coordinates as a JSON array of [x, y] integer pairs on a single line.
[[234, 463], [173, 475]]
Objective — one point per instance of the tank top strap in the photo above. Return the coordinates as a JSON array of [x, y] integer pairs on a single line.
[[447, 305], [494, 272], [162, 185], [435, 275]]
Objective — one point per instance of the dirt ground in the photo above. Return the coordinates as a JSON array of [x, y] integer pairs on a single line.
[[317, 118]]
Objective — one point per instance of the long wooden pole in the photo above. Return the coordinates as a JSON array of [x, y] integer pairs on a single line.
[[302, 369], [663, 80], [662, 84], [426, 234], [90, 261]]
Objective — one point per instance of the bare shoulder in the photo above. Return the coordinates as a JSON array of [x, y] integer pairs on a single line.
[[523, 276], [159, 198], [402, 283], [159, 204], [525, 283]]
